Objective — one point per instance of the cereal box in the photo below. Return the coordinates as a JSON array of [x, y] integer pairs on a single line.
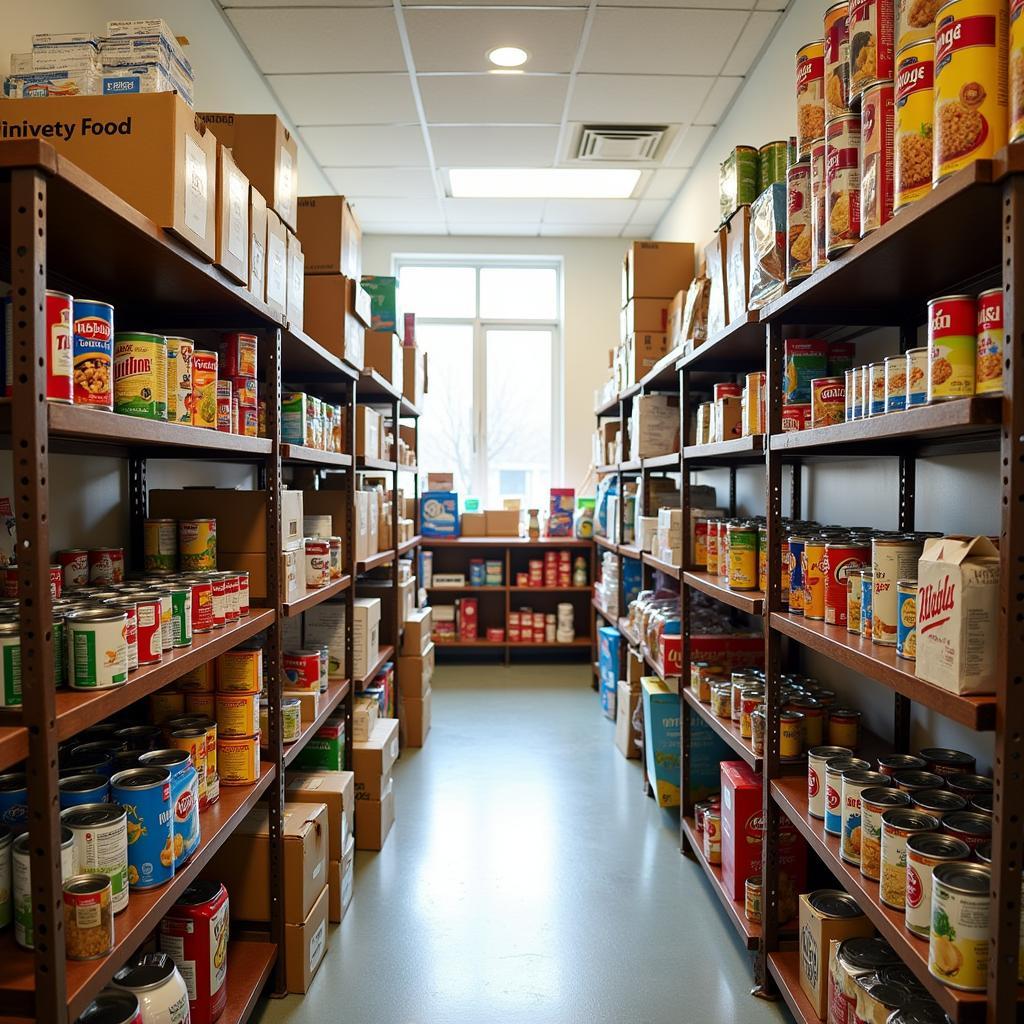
[[562, 506], [957, 607]]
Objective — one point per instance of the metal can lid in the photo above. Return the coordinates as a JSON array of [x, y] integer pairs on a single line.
[[111, 1006], [838, 765], [983, 852], [100, 614], [964, 783], [86, 884], [934, 844], [969, 822], [885, 796], [942, 800], [946, 756], [908, 820], [13, 782], [903, 761], [889, 994], [919, 780], [834, 903], [92, 815], [982, 803], [147, 971], [866, 954], [860, 777], [824, 753], [82, 783], [141, 778], [972, 879], [920, 1011], [169, 757], [201, 891]]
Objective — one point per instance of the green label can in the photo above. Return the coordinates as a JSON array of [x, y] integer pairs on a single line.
[[742, 556], [10, 664], [140, 375], [97, 652], [60, 676], [772, 159], [160, 545], [737, 180], [181, 616]]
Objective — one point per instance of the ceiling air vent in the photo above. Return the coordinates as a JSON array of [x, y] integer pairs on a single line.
[[619, 143]]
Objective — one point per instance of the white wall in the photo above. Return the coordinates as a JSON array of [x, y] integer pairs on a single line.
[[591, 289]]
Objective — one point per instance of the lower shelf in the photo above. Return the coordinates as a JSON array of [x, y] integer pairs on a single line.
[[784, 967], [249, 967], [329, 701]]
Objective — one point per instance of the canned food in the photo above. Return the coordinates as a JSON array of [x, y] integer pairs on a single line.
[[799, 230], [912, 131], [742, 556], [872, 28], [844, 727], [810, 96], [971, 122], [752, 899], [194, 932], [834, 768], [197, 544], [158, 986], [952, 347], [184, 798], [179, 379], [204, 389], [160, 545], [791, 735], [840, 560], [758, 725], [842, 170], [88, 917], [713, 835], [291, 719], [6, 843], [223, 406], [938, 802], [813, 577], [796, 417], [238, 714], [204, 704], [14, 799], [851, 379], [804, 360], [59, 331], [898, 824], [853, 959], [751, 699], [874, 802], [874, 387], [239, 760], [912, 781], [100, 833], [876, 156], [917, 377], [837, 59], [852, 784], [906, 619], [318, 562], [772, 159], [202, 605], [721, 699], [74, 563], [854, 588], [895, 383], [337, 559], [892, 559], [959, 939], [97, 650], [21, 882], [140, 375], [915, 20], [145, 794], [816, 760], [301, 669], [181, 615], [988, 373], [93, 353], [243, 590], [87, 757], [946, 762], [891, 764], [219, 605], [855, 392], [970, 785], [241, 670], [968, 826], [819, 187], [86, 788], [149, 626], [828, 401], [165, 705]]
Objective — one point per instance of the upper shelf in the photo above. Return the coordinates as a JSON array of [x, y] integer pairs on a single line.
[[737, 449], [740, 346]]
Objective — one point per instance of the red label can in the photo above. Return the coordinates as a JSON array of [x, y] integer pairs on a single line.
[[795, 417], [301, 669], [59, 358], [219, 606], [56, 582], [840, 561], [230, 596], [725, 390], [243, 594], [239, 355], [202, 606], [148, 628], [106, 565], [11, 581], [74, 564]]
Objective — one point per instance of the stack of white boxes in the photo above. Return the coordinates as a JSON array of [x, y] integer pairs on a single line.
[[416, 668], [365, 635], [669, 540]]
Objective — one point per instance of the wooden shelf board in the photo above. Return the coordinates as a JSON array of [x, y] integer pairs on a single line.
[[314, 456], [723, 727], [629, 551], [467, 590], [368, 465], [509, 542], [749, 601], [314, 597], [408, 545], [665, 567], [495, 644], [249, 966], [630, 637], [784, 967], [386, 653], [380, 558], [606, 615], [604, 542], [374, 386], [329, 700], [740, 346], [580, 641], [749, 932], [549, 590], [882, 664], [662, 375], [738, 449]]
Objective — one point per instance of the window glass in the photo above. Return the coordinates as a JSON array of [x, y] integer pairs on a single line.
[[519, 293], [438, 291]]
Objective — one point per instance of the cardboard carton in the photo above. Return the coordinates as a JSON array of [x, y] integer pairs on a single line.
[[266, 152], [657, 269], [675, 319], [626, 735], [362, 304], [295, 298], [329, 317], [150, 149], [718, 290], [364, 717], [728, 418], [232, 218], [654, 429], [502, 522], [642, 352], [383, 353], [374, 819], [413, 373], [374, 758], [414, 714], [365, 635], [337, 791], [473, 524], [331, 236], [340, 876], [737, 263], [418, 626], [257, 244], [277, 264], [645, 316], [661, 739], [325, 627], [417, 671], [305, 945], [309, 700]]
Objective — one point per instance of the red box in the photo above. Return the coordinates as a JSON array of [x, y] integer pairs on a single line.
[[468, 620], [743, 836], [495, 635], [672, 655], [730, 650]]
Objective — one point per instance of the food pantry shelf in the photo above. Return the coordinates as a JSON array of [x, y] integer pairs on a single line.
[[385, 654], [145, 909], [739, 449], [408, 545], [329, 700], [749, 601], [13, 745], [381, 558], [365, 464], [314, 597], [249, 965], [314, 456], [611, 619], [507, 542], [724, 727], [881, 663], [656, 563], [740, 346], [785, 969]]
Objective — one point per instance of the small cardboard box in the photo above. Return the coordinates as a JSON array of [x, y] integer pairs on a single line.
[[657, 269], [150, 149], [958, 613], [414, 715], [232, 245], [473, 524], [737, 263], [642, 352], [675, 320], [661, 739], [654, 427], [257, 244], [439, 514], [369, 432], [383, 353], [440, 481], [365, 635], [728, 418], [374, 758], [645, 316], [325, 749], [340, 876], [625, 733], [305, 945], [337, 791], [268, 154], [364, 717], [295, 299], [362, 304], [309, 700], [502, 522], [384, 295], [374, 819], [331, 236], [329, 317], [418, 627], [277, 264], [413, 373]]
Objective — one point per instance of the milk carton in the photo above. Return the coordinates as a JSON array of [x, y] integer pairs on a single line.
[[957, 606]]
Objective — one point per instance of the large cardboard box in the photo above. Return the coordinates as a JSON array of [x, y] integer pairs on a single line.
[[502, 522], [331, 236], [384, 354], [327, 502], [295, 302], [232, 218], [374, 819], [642, 352], [414, 373], [277, 264], [654, 427], [414, 716], [418, 627], [340, 876], [657, 269], [325, 627], [369, 432], [337, 791], [373, 759], [645, 316], [150, 149], [661, 739], [625, 733], [244, 862], [473, 524], [257, 244], [365, 635], [305, 945], [267, 153], [329, 317]]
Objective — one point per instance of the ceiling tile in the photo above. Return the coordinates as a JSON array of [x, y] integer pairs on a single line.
[[582, 211], [444, 40], [366, 145], [406, 211], [635, 231], [771, 5], [718, 99], [410, 183], [496, 211], [494, 147], [688, 145], [661, 41], [311, 39], [664, 184], [588, 230], [495, 3], [523, 228], [229, 4], [493, 99], [637, 98], [346, 99], [753, 40], [385, 228], [649, 211]]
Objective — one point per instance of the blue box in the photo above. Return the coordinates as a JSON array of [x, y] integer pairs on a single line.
[[608, 646], [707, 752], [662, 712], [383, 292], [632, 579], [439, 514]]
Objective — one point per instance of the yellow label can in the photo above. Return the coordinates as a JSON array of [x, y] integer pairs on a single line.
[[914, 102], [1016, 70], [239, 760]]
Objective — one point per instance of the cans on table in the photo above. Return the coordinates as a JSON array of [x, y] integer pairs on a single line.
[[301, 669], [898, 824], [74, 563], [140, 375], [100, 832], [952, 347], [959, 940], [93, 353], [938, 802], [945, 761], [968, 826], [913, 150], [874, 802], [988, 372], [145, 794], [106, 565]]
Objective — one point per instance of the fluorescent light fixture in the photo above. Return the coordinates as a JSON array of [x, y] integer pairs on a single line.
[[507, 56], [542, 182]]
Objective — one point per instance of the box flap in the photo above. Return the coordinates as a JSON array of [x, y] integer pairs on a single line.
[[956, 549]]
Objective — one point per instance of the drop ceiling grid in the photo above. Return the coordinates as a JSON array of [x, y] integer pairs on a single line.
[[431, 114]]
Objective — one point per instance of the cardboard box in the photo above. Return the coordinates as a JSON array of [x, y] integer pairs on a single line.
[[374, 819], [728, 417], [244, 861], [150, 149], [331, 502], [331, 236], [305, 945], [362, 304], [645, 316], [374, 758], [439, 514], [384, 295], [718, 297], [502, 522], [325, 627], [257, 244], [266, 152], [626, 736], [654, 426], [414, 719], [413, 373], [473, 524], [369, 432], [418, 627], [340, 878], [329, 317], [642, 352], [737, 263], [657, 269], [337, 791], [277, 264], [309, 700], [364, 717], [232, 218], [440, 482], [365, 635], [661, 739], [295, 299], [384, 354]]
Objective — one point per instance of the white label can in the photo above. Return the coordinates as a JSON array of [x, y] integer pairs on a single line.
[[892, 559], [100, 833], [97, 650]]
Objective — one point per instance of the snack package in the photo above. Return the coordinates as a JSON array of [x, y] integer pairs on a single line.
[[768, 245]]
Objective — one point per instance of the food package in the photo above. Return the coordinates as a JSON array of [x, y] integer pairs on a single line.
[[737, 264], [694, 331], [768, 245], [714, 262]]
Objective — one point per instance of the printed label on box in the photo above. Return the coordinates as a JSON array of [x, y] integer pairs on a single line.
[[196, 186]]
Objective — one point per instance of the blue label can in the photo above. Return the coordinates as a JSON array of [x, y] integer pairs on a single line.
[[87, 788], [14, 800], [145, 795], [906, 619], [96, 756], [867, 591], [476, 572], [796, 572], [93, 354], [184, 799]]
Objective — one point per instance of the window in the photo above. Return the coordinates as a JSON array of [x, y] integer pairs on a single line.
[[492, 333]]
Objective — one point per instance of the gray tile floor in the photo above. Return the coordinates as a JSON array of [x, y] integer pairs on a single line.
[[527, 879]]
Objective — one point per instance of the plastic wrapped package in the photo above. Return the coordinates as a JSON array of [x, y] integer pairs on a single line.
[[768, 245], [695, 313]]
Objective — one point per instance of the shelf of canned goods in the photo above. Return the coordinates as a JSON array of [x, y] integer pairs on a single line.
[[50, 969]]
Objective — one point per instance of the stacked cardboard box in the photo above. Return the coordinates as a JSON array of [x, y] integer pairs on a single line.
[[627, 736], [372, 761], [416, 668]]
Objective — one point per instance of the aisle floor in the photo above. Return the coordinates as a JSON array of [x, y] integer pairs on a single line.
[[527, 879]]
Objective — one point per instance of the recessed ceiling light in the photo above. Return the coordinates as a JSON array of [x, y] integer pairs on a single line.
[[542, 182], [507, 56]]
